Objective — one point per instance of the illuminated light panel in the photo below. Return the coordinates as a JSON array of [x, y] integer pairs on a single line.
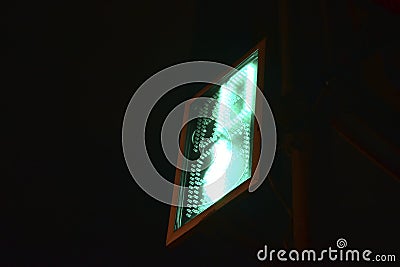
[[223, 142]]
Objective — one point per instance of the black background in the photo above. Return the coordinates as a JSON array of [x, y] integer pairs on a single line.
[[70, 71]]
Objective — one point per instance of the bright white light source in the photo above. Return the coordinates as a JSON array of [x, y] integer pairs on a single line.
[[217, 171]]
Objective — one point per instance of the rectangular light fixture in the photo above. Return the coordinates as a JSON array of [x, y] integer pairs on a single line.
[[224, 143]]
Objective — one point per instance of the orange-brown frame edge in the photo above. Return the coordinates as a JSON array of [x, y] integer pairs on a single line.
[[172, 235]]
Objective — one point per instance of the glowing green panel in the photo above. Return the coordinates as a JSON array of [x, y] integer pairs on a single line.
[[222, 139]]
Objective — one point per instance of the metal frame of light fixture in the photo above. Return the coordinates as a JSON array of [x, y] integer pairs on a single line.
[[172, 234]]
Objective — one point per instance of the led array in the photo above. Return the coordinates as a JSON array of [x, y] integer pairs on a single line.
[[221, 141], [231, 119]]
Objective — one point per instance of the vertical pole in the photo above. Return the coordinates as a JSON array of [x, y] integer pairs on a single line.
[[300, 156]]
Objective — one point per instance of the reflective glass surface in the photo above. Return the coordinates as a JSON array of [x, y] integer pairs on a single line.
[[221, 141]]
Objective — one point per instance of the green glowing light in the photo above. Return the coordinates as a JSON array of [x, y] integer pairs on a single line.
[[229, 142]]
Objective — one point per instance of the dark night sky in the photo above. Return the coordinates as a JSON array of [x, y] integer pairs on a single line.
[[71, 69]]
